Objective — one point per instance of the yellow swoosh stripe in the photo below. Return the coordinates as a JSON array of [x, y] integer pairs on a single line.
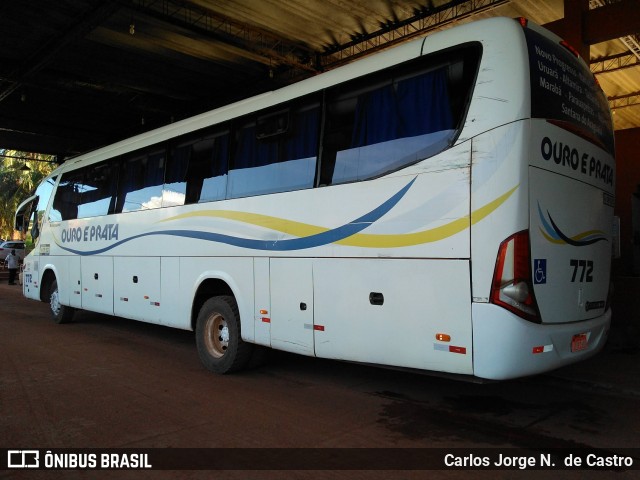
[[301, 230], [425, 236], [577, 238], [550, 239], [290, 227]]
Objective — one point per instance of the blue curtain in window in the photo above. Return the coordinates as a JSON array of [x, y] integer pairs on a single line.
[[304, 142], [419, 106], [424, 104], [133, 175], [376, 117], [154, 174], [253, 152], [220, 155], [177, 165]]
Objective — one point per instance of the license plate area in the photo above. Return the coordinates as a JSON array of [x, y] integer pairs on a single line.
[[579, 342]]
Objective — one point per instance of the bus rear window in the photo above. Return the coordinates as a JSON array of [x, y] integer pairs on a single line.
[[562, 90]]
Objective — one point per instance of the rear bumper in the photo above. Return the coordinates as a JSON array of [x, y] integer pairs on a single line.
[[506, 346]]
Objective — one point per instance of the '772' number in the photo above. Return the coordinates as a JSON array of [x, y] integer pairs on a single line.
[[585, 267]]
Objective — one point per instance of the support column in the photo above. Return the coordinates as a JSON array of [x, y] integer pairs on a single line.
[[572, 27]]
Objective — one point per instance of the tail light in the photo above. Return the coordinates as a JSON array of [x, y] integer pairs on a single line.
[[512, 287]]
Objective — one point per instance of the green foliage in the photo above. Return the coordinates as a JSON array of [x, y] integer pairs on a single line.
[[16, 185]]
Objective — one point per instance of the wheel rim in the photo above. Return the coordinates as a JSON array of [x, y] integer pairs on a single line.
[[55, 302], [216, 335]]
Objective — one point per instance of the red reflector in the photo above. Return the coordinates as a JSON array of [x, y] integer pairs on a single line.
[[266, 320], [319, 328], [453, 349], [539, 349], [579, 342]]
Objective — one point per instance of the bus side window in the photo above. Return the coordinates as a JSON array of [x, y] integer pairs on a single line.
[[340, 115], [197, 169], [96, 195], [207, 174], [277, 151], [391, 126], [175, 177], [141, 181], [65, 201]]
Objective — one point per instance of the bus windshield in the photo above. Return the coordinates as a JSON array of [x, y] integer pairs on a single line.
[[563, 90]]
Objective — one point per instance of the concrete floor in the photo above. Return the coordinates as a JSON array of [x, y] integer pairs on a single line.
[[104, 382]]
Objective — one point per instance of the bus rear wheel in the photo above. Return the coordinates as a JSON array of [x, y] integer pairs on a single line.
[[218, 337], [59, 313]]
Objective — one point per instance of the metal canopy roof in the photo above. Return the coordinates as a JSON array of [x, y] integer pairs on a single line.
[[75, 75]]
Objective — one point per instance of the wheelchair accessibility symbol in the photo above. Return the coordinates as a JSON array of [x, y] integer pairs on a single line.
[[540, 271]]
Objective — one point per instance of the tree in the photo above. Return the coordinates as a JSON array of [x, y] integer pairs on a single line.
[[16, 185]]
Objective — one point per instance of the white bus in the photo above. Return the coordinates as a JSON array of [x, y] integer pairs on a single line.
[[443, 206]]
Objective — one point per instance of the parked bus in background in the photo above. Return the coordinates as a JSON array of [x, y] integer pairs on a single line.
[[442, 206]]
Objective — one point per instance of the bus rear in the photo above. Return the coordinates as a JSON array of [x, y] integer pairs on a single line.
[[549, 293]]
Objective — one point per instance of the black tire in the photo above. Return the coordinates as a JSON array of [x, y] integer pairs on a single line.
[[59, 313], [218, 337]]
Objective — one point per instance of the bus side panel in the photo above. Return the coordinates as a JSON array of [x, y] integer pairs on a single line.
[[97, 284], [74, 279], [137, 289], [388, 312], [170, 311], [262, 305], [292, 304], [499, 177]]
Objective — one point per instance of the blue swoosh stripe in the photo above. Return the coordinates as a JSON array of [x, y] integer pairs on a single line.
[[324, 238], [554, 232], [550, 231], [577, 243]]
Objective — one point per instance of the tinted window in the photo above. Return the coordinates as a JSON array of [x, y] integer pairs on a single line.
[[65, 202], [276, 151], [141, 181], [391, 119], [87, 192], [97, 195]]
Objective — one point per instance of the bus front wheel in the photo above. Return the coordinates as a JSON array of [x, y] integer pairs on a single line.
[[59, 313], [218, 338]]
